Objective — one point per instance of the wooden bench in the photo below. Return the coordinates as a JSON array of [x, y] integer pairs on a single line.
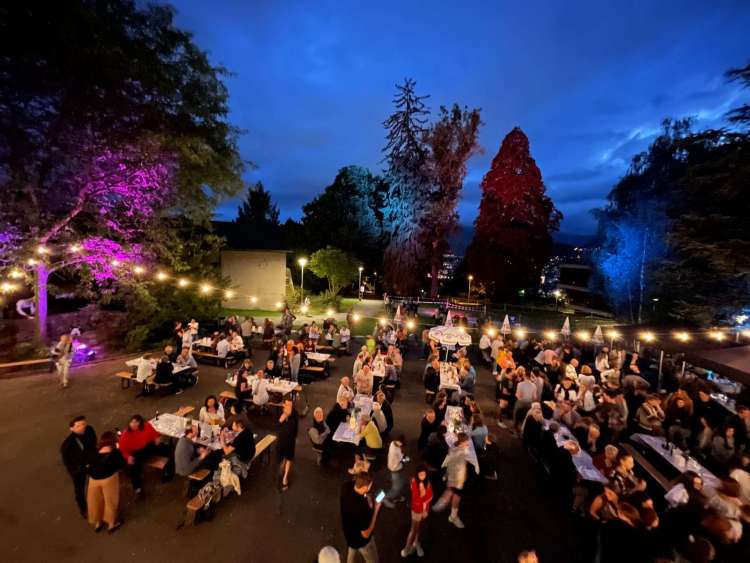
[[429, 396], [228, 395], [262, 449], [157, 462], [184, 411], [657, 476], [46, 362], [209, 356], [310, 373], [268, 342], [126, 378]]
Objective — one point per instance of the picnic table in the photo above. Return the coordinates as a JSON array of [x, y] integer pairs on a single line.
[[317, 357], [204, 342], [275, 385], [363, 403], [174, 426], [582, 460], [134, 363], [449, 377], [345, 433], [678, 459], [362, 406], [457, 413]]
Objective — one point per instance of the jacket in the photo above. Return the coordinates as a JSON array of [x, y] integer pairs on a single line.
[[420, 503], [78, 451]]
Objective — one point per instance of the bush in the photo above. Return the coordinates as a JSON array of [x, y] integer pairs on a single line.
[[327, 299]]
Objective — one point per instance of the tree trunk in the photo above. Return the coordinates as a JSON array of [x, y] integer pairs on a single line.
[[642, 277], [40, 301], [435, 269]]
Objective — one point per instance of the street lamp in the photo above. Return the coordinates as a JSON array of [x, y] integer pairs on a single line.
[[359, 285], [302, 263], [557, 293], [468, 296]]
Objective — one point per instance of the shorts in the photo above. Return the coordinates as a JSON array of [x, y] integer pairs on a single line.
[[456, 491], [418, 516]]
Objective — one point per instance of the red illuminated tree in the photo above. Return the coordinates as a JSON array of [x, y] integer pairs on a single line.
[[513, 232]]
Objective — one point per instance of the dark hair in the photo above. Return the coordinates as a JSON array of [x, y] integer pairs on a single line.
[[237, 406], [205, 404], [139, 419], [362, 479], [75, 419], [107, 439], [239, 422], [400, 438]]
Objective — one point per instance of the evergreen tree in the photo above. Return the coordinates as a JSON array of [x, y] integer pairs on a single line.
[[407, 202], [257, 208], [452, 141], [513, 232]]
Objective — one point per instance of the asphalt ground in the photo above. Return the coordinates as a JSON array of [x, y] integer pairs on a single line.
[[39, 520]]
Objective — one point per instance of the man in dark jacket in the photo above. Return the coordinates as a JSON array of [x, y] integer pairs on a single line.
[[77, 451]]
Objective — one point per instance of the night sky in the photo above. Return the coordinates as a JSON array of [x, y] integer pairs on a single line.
[[589, 82]]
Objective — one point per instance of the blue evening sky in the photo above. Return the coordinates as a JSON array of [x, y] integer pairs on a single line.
[[589, 82]]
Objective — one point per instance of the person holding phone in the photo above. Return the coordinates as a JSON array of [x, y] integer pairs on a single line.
[[359, 513]]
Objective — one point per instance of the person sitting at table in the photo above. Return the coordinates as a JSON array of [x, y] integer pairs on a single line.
[[624, 479], [650, 416], [170, 352], [187, 457], [589, 437], [320, 434], [186, 377], [237, 410], [364, 380], [368, 431], [432, 376], [184, 339], [345, 390], [268, 330], [236, 345], [339, 413], [427, 426], [440, 406], [260, 391], [165, 375], [103, 494], [359, 361], [724, 446], [223, 346], [479, 431], [606, 461], [385, 407], [346, 337], [212, 411], [271, 370], [378, 417], [390, 376], [139, 442], [241, 450], [468, 379]]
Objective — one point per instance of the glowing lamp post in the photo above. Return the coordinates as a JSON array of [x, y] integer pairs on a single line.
[[359, 284], [468, 295], [557, 293], [302, 263]]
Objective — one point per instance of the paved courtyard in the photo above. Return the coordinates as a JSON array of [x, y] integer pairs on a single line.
[[39, 520]]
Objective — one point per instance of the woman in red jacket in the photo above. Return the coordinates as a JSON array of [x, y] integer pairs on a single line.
[[421, 497], [139, 442]]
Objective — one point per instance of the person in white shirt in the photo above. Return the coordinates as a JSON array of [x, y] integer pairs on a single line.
[[212, 412], [364, 381], [495, 346], [346, 336], [396, 461], [570, 370], [345, 390], [193, 328], [187, 339], [601, 363], [260, 389], [144, 368], [186, 360], [485, 344], [223, 347]]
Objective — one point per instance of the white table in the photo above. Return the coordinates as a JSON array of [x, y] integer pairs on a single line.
[[317, 357], [449, 377], [171, 425], [677, 458], [283, 386], [204, 342], [345, 433], [582, 460], [452, 435], [363, 403], [175, 368]]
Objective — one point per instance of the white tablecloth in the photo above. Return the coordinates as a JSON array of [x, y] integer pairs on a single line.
[[582, 460], [317, 357], [363, 403], [345, 433], [677, 458], [174, 426], [175, 368], [448, 377], [283, 386], [453, 431]]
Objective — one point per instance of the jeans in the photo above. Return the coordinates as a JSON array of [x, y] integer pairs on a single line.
[[63, 367], [136, 470], [397, 484], [369, 552]]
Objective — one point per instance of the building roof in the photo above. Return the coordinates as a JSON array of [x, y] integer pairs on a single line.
[[243, 236]]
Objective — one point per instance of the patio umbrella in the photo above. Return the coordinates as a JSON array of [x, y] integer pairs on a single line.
[[505, 329], [449, 318], [598, 337], [450, 336], [565, 330], [397, 316]]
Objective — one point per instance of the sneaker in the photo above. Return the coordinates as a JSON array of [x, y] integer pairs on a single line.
[[178, 392], [456, 522], [501, 424], [419, 550], [405, 553], [437, 507], [492, 476]]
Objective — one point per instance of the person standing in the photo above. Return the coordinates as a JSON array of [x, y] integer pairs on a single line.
[[421, 497], [359, 514], [104, 485], [396, 461], [455, 464], [63, 354], [294, 364], [287, 440], [77, 451]]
